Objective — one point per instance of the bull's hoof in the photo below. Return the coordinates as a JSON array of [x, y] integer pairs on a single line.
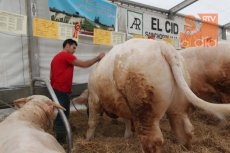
[[188, 146], [89, 136], [151, 145], [128, 135]]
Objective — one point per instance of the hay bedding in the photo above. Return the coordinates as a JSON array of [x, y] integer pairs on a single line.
[[211, 136]]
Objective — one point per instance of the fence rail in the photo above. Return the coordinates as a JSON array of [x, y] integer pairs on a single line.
[[54, 97]]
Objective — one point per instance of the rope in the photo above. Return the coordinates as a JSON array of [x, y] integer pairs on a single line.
[[76, 108], [5, 103]]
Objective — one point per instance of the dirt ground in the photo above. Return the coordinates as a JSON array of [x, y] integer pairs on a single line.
[[211, 136]]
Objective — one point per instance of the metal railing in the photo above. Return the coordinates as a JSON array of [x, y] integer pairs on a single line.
[[63, 117]]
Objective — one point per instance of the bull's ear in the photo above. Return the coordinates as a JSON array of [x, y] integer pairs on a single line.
[[58, 106], [49, 107], [18, 103], [55, 105]]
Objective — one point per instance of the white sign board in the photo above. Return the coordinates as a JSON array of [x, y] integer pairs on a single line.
[[135, 23], [15, 23], [145, 24], [118, 38]]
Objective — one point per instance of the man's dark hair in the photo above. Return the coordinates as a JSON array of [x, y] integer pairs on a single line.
[[70, 42]]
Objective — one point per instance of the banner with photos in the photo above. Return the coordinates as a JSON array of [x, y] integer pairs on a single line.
[[88, 14]]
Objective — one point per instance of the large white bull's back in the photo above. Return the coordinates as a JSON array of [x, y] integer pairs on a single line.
[[144, 58], [141, 80], [136, 56]]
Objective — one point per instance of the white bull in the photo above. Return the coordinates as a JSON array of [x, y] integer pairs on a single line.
[[24, 130], [141, 80]]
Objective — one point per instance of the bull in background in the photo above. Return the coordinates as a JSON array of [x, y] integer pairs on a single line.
[[82, 99], [24, 131], [209, 70], [141, 80]]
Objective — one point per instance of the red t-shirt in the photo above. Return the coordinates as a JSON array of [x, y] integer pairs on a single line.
[[61, 74]]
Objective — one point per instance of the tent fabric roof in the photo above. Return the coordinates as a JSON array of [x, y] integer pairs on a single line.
[[197, 6]]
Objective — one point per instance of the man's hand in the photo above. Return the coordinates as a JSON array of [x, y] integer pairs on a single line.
[[101, 55]]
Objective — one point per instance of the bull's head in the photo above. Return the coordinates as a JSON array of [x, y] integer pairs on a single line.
[[42, 107], [18, 103]]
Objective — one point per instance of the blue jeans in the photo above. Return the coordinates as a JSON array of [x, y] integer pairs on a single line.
[[59, 126]]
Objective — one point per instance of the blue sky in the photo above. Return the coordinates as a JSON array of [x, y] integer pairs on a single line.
[[88, 8]]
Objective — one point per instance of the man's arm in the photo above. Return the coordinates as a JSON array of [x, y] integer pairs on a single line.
[[88, 63]]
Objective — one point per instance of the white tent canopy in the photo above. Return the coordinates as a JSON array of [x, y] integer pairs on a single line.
[[194, 7]]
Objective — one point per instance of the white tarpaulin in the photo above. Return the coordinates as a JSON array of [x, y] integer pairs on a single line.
[[14, 63], [15, 53]]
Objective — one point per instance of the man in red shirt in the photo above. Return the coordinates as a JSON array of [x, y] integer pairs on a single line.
[[61, 76]]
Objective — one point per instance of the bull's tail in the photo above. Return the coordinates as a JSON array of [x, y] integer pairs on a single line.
[[175, 61]]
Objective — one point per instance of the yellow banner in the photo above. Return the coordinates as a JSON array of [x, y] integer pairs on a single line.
[[102, 37], [45, 28], [138, 36]]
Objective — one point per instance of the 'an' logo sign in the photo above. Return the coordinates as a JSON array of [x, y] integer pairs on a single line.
[[134, 23], [205, 34]]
